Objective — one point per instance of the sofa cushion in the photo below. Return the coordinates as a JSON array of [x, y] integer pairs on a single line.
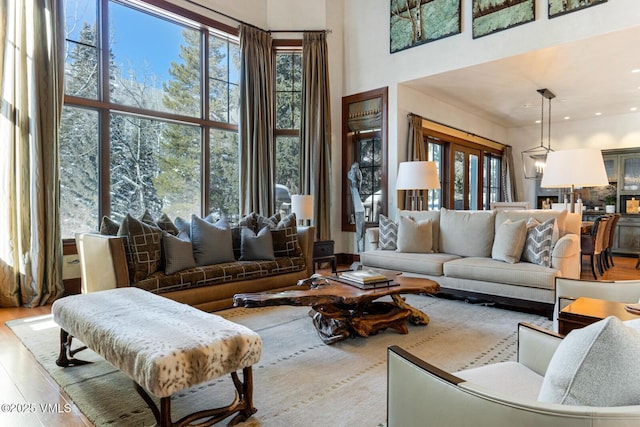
[[142, 247], [537, 247], [509, 241], [509, 378], [256, 246], [388, 234], [178, 252], [434, 216], [414, 236], [430, 264], [212, 243], [247, 221], [217, 274], [490, 270], [467, 233], [595, 366], [541, 215]]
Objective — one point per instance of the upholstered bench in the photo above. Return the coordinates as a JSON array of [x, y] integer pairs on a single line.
[[162, 345]]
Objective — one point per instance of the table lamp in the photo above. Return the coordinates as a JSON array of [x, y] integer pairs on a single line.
[[417, 175], [302, 206], [578, 167]]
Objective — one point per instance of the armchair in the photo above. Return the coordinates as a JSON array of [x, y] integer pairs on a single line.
[[502, 394]]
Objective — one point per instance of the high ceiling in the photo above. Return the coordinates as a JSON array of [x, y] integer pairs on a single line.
[[588, 77]]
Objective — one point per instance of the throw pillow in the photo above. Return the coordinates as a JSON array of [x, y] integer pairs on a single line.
[[183, 226], [509, 241], [109, 227], [178, 252], [212, 243], [142, 247], [263, 221], [537, 247], [256, 247], [595, 366], [165, 224], [285, 237], [467, 233], [147, 218], [414, 236], [388, 234]]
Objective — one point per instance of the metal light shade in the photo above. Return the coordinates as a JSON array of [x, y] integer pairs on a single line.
[[302, 206], [417, 176], [579, 167]]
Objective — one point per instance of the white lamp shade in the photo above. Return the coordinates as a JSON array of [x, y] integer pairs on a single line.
[[417, 176], [579, 167], [302, 206]]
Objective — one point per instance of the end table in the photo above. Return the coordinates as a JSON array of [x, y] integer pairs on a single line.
[[323, 252], [585, 311]]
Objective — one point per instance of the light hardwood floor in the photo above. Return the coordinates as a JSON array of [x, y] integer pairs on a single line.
[[24, 382]]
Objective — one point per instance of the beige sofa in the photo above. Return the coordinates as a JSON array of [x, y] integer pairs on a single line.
[[511, 393], [104, 266], [461, 261]]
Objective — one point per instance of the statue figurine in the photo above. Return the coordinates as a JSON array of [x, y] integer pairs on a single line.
[[355, 176]]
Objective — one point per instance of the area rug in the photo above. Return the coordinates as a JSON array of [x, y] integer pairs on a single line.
[[299, 380]]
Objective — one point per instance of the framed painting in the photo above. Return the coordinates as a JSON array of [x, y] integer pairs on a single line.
[[560, 7], [415, 22], [490, 16]]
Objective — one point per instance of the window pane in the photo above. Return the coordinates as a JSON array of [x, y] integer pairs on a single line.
[[435, 155], [288, 90], [473, 181], [288, 163], [224, 176], [78, 171], [156, 63], [155, 165], [224, 77], [81, 57]]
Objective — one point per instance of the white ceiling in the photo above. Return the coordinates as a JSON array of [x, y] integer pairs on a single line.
[[587, 77]]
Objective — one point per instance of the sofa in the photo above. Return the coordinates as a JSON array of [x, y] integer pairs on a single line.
[[509, 257], [586, 379], [202, 262]]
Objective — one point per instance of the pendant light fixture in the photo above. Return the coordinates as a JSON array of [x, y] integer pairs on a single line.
[[534, 160]]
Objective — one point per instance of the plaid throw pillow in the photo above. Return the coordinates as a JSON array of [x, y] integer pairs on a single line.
[[142, 247], [537, 247], [285, 237], [388, 234]]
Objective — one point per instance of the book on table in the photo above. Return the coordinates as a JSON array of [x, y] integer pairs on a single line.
[[365, 278]]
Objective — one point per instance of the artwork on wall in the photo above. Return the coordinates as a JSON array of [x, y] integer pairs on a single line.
[[490, 16], [560, 7], [415, 22]]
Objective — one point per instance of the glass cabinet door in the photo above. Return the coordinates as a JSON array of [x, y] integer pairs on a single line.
[[611, 165], [630, 172]]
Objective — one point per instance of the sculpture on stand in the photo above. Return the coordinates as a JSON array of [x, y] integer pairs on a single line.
[[355, 176]]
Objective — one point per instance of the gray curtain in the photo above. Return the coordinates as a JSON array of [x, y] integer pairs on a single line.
[[416, 151], [508, 176], [257, 148], [31, 72], [315, 159]]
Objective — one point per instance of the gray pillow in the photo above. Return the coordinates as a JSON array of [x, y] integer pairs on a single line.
[[212, 243], [256, 247], [388, 234], [509, 241], [414, 236], [595, 366], [178, 252], [183, 226], [537, 247]]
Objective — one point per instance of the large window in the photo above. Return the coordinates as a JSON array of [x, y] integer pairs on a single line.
[[150, 116]]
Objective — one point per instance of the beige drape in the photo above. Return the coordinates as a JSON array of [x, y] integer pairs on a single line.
[[315, 162], [31, 61], [257, 148], [508, 176], [416, 151]]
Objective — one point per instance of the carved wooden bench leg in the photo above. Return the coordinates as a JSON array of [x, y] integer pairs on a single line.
[[242, 406], [65, 357]]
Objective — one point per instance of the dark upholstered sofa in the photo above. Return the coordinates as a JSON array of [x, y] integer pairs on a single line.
[[141, 256]]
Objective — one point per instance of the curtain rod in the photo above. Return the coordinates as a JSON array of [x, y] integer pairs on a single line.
[[239, 21]]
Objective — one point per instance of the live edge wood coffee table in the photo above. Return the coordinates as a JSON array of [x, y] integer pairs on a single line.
[[340, 310]]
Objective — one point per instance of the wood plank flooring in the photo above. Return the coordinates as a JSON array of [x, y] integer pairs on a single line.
[[24, 381]]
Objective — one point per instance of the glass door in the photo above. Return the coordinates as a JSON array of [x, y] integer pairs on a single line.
[[465, 179]]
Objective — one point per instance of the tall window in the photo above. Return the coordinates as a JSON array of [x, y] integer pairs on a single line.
[[492, 179], [150, 116], [287, 132]]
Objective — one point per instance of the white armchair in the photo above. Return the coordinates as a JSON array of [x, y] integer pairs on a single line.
[[568, 290], [502, 394]]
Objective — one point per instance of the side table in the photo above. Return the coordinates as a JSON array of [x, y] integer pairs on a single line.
[[585, 311], [323, 252]]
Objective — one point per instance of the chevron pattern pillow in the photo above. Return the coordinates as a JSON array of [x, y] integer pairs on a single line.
[[537, 247], [388, 234]]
